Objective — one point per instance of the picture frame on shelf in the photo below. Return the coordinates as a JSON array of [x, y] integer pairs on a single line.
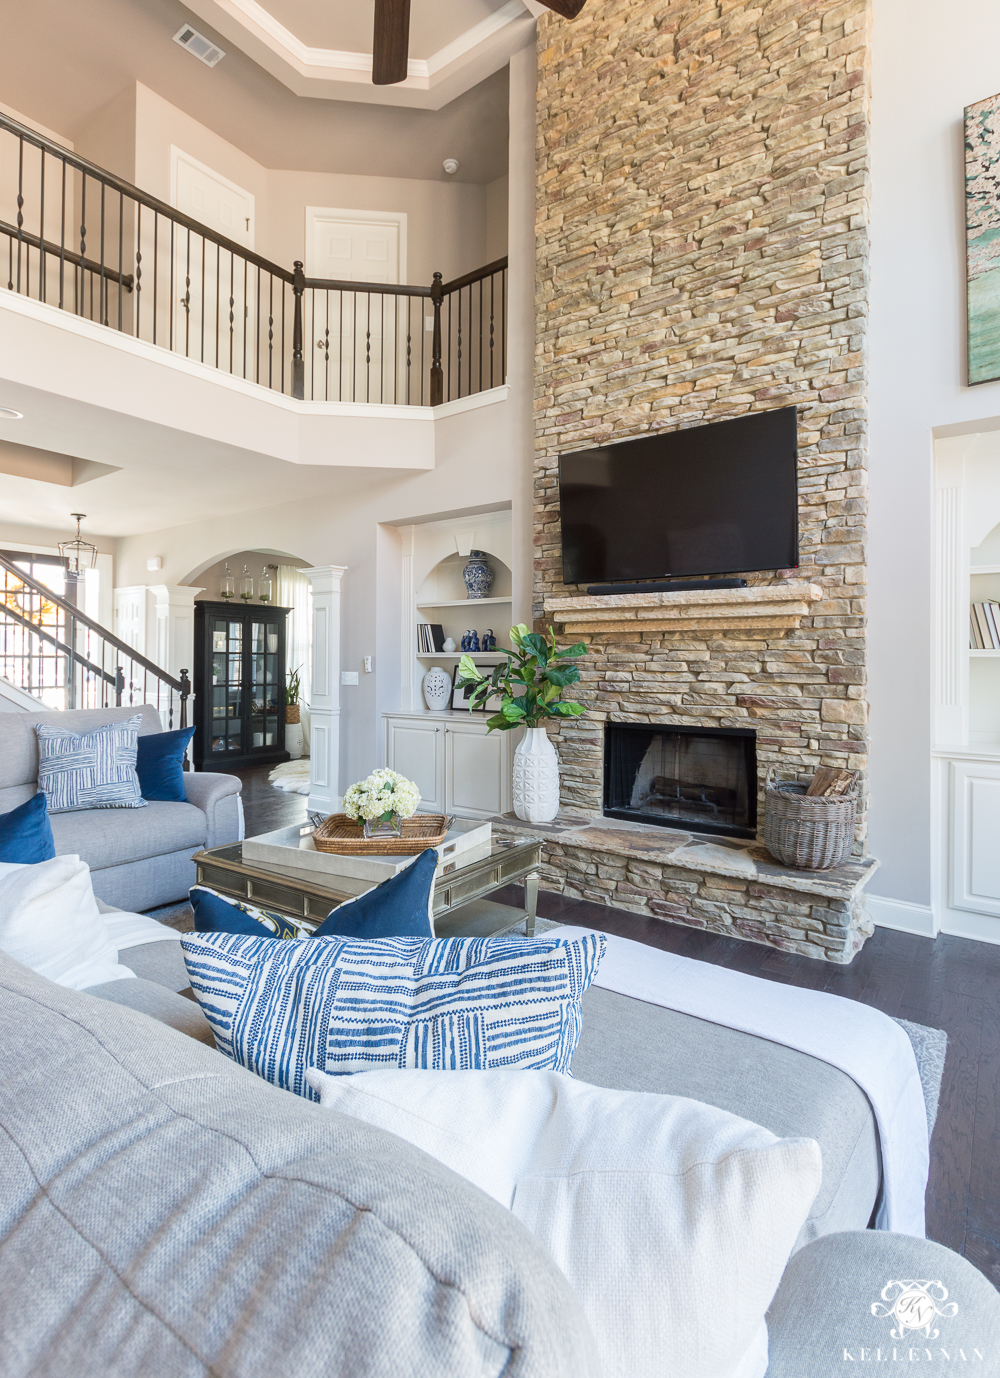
[[460, 694]]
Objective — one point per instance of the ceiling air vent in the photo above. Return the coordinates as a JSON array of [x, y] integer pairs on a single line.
[[203, 49]]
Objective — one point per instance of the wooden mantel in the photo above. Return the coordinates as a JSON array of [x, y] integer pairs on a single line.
[[620, 616]]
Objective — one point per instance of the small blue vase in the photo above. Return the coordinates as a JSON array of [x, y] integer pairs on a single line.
[[478, 576]]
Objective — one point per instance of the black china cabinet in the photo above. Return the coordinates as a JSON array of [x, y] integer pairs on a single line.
[[239, 685]]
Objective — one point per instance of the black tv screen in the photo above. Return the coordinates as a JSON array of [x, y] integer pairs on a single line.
[[715, 499]]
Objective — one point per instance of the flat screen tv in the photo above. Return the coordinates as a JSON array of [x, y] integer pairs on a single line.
[[715, 499]]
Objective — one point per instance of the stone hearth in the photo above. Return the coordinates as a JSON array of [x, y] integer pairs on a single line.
[[719, 885]]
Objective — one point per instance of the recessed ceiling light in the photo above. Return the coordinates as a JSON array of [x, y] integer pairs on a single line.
[[9, 414]]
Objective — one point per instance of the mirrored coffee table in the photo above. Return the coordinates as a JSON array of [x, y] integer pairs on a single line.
[[462, 907]]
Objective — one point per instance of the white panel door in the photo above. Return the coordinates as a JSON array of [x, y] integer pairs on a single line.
[[474, 772], [975, 842], [355, 335], [416, 750], [214, 289]]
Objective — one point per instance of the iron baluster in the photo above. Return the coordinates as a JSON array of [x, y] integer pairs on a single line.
[[41, 229], [20, 206], [246, 270], [270, 332], [232, 303], [62, 240], [156, 269], [121, 254], [138, 270], [186, 299], [102, 300]]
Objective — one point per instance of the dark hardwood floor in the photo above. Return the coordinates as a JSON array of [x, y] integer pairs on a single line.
[[948, 983], [264, 807]]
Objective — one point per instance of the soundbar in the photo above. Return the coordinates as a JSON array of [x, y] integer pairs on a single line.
[[665, 586]]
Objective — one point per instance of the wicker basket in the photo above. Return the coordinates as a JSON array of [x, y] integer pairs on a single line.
[[343, 836], [809, 834], [293, 713]]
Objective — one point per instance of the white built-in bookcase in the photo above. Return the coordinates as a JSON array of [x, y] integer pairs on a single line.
[[433, 590]]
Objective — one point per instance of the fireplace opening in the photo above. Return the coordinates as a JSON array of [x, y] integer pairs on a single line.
[[701, 779]]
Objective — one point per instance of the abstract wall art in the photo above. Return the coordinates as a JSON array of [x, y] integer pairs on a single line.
[[982, 203]]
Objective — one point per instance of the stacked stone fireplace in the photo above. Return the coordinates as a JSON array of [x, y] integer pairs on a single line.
[[702, 230]]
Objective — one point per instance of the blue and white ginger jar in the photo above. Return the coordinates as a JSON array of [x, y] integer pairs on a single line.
[[478, 575]]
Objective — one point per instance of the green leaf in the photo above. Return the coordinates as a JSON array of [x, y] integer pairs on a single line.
[[467, 669], [580, 649], [512, 710], [538, 647], [568, 675], [568, 710], [517, 634], [498, 723]]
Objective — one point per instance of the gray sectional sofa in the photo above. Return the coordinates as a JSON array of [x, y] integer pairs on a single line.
[[271, 1236], [138, 858]]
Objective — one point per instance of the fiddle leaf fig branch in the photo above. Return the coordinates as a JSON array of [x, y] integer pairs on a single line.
[[531, 682]]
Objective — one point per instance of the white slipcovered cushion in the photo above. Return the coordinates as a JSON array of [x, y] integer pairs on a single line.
[[672, 1220], [50, 922]]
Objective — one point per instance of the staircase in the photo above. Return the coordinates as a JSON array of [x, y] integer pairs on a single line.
[[53, 656]]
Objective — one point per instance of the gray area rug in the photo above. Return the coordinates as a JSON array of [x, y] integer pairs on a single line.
[[929, 1045]]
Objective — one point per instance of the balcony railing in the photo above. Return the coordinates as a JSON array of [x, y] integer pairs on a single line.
[[81, 239]]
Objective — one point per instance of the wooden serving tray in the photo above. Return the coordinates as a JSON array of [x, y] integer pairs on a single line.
[[342, 835]]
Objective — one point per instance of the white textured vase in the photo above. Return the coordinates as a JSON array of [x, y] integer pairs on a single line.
[[536, 778], [437, 689]]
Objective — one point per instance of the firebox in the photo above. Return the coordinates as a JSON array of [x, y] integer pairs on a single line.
[[701, 779]]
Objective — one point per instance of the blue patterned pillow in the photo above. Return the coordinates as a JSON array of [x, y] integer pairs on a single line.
[[345, 1005], [215, 913], [91, 770]]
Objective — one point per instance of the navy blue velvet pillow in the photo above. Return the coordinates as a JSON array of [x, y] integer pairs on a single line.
[[159, 765], [398, 908], [215, 913], [26, 833]]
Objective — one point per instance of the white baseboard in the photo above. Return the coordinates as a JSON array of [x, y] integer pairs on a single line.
[[901, 915]]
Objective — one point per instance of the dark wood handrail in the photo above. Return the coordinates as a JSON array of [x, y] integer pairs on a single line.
[[58, 251], [72, 611], [476, 275]]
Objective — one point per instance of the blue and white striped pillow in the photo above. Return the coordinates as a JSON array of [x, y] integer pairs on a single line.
[[346, 1005], [91, 770]]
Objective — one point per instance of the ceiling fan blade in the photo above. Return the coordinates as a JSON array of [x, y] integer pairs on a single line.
[[391, 43], [569, 9]]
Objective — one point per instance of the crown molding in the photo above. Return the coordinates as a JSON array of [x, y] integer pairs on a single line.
[[326, 73]]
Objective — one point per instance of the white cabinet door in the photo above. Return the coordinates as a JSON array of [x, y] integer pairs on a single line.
[[975, 836], [416, 750], [474, 772]]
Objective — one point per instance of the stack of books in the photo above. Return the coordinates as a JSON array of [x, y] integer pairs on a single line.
[[985, 627], [430, 638]]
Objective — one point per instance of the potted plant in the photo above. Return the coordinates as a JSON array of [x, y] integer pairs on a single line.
[[530, 687], [293, 712]]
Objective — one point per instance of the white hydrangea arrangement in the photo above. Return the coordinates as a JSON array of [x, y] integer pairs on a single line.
[[383, 794]]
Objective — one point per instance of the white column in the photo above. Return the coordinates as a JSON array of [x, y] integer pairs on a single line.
[[170, 641], [324, 703]]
